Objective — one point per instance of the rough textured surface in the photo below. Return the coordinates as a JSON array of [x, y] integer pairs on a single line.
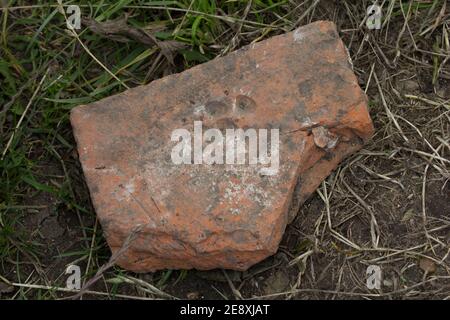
[[221, 216]]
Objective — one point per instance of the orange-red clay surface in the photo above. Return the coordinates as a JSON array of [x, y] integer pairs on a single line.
[[221, 216]]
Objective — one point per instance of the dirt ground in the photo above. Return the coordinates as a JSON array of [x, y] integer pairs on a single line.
[[387, 205]]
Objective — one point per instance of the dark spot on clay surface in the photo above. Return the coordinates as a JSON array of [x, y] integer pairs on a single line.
[[216, 107], [245, 103], [305, 88], [298, 113]]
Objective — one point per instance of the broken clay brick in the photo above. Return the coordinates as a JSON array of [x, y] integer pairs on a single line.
[[221, 215]]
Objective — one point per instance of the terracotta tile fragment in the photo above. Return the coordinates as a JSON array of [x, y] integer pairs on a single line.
[[221, 216]]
